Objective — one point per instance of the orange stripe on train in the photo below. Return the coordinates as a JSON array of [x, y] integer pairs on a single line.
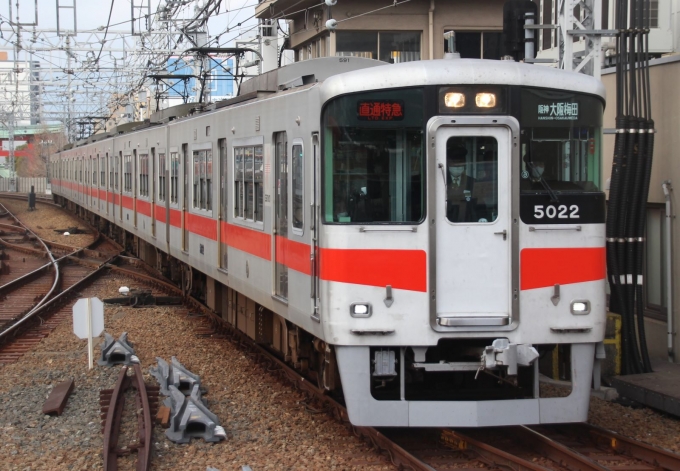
[[540, 268], [401, 269]]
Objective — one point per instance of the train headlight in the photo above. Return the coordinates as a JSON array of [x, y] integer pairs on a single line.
[[580, 308], [454, 100], [360, 310], [472, 99], [485, 100]]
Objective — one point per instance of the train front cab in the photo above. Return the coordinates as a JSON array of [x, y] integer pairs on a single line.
[[442, 286]]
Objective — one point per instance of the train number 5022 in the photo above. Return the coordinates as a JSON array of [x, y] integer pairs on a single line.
[[559, 212]]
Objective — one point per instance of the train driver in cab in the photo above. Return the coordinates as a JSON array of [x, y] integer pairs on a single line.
[[461, 200]]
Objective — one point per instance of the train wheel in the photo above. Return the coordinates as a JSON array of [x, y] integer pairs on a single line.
[[321, 371], [159, 260], [187, 279]]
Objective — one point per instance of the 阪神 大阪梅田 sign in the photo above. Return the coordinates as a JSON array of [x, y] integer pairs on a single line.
[[558, 111]]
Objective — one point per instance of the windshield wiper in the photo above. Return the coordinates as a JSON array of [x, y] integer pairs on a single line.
[[553, 196]]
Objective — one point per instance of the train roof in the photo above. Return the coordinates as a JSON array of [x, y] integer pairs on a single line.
[[459, 71], [305, 72]]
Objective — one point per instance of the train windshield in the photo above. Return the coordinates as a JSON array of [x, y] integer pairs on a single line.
[[561, 141], [373, 160]]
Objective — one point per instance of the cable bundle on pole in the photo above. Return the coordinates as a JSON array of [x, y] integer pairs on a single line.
[[629, 186]]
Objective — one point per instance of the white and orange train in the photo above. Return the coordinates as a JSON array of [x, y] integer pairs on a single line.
[[415, 236]]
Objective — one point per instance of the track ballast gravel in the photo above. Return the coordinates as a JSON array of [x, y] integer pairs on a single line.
[[268, 425]]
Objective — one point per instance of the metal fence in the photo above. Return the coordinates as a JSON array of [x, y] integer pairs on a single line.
[[23, 185]]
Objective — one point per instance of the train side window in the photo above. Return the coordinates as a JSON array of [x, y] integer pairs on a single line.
[[111, 170], [116, 172], [144, 175], [248, 183], [196, 173], [223, 170], [248, 202], [298, 187], [127, 173], [174, 175], [102, 172], [258, 182], [202, 160], [207, 201], [161, 176], [238, 182]]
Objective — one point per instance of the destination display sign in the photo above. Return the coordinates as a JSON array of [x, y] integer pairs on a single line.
[[380, 110], [558, 111]]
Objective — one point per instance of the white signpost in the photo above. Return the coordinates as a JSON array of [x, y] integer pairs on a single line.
[[88, 321]]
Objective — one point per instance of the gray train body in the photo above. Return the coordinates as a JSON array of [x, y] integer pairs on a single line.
[[314, 213]]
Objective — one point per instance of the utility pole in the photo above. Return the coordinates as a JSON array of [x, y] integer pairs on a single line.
[[201, 61], [12, 169], [69, 97], [12, 116], [116, 63]]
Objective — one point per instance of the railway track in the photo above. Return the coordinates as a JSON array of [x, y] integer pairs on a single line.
[[24, 197], [113, 410], [33, 293], [571, 447], [564, 447], [611, 450]]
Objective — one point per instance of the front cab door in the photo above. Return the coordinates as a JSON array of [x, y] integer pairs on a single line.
[[473, 226]]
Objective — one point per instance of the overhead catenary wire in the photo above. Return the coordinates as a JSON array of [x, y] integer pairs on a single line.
[[120, 74], [100, 69]]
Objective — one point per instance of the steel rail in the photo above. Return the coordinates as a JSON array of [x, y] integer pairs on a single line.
[[48, 303], [24, 278], [656, 457], [114, 418], [490, 454], [398, 455], [22, 197], [555, 450], [52, 261], [10, 226], [26, 250], [49, 243], [49, 202], [51, 299], [549, 448]]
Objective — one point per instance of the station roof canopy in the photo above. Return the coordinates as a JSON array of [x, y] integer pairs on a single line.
[[279, 8]]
